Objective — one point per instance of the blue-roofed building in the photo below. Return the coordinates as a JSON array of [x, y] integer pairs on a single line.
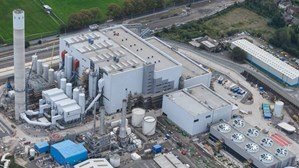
[[42, 147], [68, 153]]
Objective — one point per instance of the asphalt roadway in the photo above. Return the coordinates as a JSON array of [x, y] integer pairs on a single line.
[[284, 92]]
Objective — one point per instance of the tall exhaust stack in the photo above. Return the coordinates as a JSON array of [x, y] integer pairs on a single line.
[[122, 129], [19, 61]]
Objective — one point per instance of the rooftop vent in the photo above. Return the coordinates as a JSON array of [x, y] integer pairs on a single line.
[[238, 137], [281, 152], [267, 142], [266, 158], [224, 128], [252, 147], [238, 122], [253, 132]]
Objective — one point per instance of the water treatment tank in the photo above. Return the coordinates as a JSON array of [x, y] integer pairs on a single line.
[[278, 107], [63, 84], [76, 93], [31, 152], [137, 116], [149, 125], [115, 160]]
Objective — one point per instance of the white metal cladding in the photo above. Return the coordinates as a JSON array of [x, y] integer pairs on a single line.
[[267, 59]]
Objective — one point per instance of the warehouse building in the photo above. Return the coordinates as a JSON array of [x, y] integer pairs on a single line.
[[195, 108], [42, 147], [269, 63], [124, 62], [94, 163], [68, 153], [249, 145]]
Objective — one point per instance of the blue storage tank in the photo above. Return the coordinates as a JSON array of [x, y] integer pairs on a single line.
[[41, 147], [68, 152], [157, 149]]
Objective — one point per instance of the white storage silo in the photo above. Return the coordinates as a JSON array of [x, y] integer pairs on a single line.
[[39, 68], [115, 160], [137, 116], [278, 108], [82, 102], [76, 93], [63, 84], [51, 75], [34, 62], [31, 152], [45, 71], [149, 125], [69, 90]]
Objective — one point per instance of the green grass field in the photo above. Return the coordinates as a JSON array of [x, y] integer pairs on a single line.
[[63, 8], [239, 19], [38, 23]]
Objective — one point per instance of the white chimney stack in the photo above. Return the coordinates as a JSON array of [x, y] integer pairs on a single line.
[[19, 61]]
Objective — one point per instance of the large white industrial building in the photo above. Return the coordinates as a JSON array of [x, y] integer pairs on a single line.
[[125, 63], [248, 144], [195, 108], [277, 68]]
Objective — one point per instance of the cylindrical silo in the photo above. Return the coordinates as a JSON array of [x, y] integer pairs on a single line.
[[69, 90], [115, 160], [76, 93], [63, 84], [82, 102], [51, 75], [137, 116], [34, 62], [31, 152], [68, 66], [278, 108], [149, 125], [92, 84], [45, 71], [39, 68], [19, 61]]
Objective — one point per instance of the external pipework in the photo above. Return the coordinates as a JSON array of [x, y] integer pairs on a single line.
[[19, 61]]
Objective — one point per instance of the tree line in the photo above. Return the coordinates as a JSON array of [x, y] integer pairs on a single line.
[[129, 8]]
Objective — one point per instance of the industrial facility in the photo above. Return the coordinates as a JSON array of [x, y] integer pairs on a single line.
[[195, 108], [250, 145], [114, 55], [117, 99], [269, 63]]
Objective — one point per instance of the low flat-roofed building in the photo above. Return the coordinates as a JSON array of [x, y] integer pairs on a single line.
[[248, 144], [193, 73], [269, 63], [169, 161], [94, 163], [195, 108]]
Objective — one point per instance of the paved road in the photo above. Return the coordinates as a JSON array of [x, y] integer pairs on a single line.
[[284, 92]]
